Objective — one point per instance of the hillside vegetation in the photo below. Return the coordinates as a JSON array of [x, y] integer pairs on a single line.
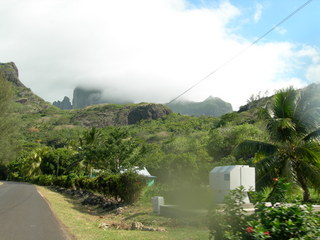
[[83, 97], [98, 148]]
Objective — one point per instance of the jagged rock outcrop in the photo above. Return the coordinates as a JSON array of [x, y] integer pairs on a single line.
[[85, 97], [258, 103], [148, 111], [27, 101], [10, 73], [65, 104], [212, 106]]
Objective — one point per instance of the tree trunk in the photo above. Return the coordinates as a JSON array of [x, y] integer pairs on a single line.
[[90, 171], [306, 195], [303, 184]]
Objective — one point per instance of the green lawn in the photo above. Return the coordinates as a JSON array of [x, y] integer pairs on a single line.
[[83, 223]]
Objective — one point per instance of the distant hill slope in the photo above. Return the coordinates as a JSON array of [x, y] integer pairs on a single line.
[[115, 114], [212, 106], [36, 113], [26, 101], [83, 97]]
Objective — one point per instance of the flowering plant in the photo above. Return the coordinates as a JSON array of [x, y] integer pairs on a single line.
[[278, 221]]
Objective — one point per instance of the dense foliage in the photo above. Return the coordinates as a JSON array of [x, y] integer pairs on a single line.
[[99, 148], [179, 150], [293, 149], [274, 222], [125, 187]]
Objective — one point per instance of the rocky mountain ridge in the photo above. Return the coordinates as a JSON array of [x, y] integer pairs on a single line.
[[25, 100], [37, 113], [83, 97]]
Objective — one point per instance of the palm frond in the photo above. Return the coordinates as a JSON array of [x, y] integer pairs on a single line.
[[266, 170], [281, 129], [313, 135], [287, 170], [309, 153], [284, 103], [311, 173], [252, 147]]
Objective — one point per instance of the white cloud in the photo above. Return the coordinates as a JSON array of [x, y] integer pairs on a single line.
[[258, 12], [146, 50], [313, 73]]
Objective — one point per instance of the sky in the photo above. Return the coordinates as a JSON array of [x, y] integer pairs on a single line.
[[153, 50]]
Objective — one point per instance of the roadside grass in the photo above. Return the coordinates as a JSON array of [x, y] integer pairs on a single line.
[[83, 222]]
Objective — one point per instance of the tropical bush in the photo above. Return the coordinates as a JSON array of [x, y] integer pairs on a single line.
[[130, 186], [284, 221], [125, 187], [278, 221], [228, 221]]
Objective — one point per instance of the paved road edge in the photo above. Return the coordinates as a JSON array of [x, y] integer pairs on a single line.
[[63, 227]]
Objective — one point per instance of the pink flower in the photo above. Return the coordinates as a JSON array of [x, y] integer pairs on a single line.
[[267, 233], [249, 229]]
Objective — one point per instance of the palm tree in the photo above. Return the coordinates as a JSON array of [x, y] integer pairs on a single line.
[[293, 151], [33, 161]]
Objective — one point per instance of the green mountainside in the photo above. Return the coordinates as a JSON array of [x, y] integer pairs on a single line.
[[26, 102], [36, 113], [212, 106], [83, 97]]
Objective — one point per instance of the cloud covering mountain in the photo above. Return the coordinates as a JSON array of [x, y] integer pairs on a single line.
[[146, 50]]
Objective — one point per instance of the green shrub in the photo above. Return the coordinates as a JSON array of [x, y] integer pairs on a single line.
[[71, 180], [125, 187], [277, 222], [108, 185], [228, 221], [45, 180], [81, 182], [61, 181], [130, 186]]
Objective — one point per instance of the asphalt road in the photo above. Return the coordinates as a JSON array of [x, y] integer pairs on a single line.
[[25, 215]]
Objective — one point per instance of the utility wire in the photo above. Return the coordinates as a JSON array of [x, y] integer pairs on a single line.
[[243, 50]]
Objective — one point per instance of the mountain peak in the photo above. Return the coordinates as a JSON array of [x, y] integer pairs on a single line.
[[11, 73], [210, 98]]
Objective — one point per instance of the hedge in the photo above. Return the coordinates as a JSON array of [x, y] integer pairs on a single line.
[[125, 187]]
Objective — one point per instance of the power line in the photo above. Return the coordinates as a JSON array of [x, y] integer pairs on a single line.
[[243, 50]]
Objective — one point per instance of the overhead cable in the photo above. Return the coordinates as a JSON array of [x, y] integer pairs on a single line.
[[243, 50]]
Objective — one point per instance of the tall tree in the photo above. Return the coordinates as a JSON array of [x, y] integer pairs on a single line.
[[89, 147], [293, 151], [120, 151]]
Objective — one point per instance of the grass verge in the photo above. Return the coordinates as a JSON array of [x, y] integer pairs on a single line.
[[83, 222]]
